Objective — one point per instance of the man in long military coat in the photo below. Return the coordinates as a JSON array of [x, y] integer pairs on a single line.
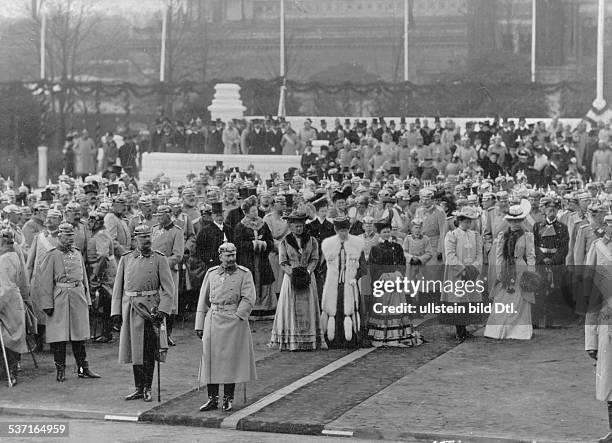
[[142, 294], [168, 238], [551, 239], [43, 242], [117, 227], [102, 269], [226, 299], [35, 225], [598, 326], [65, 299]]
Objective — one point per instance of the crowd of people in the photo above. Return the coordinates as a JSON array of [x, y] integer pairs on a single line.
[[518, 213], [544, 152]]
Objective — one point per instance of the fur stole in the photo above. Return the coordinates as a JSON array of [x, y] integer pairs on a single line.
[[330, 248], [256, 224], [291, 241]]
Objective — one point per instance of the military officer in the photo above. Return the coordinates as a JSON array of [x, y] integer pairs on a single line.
[[585, 237], [190, 203], [117, 227], [434, 228], [168, 238], [102, 269], [35, 224], [597, 328], [72, 215], [551, 240], [142, 295], [183, 221], [65, 299], [144, 214], [226, 299], [43, 242]]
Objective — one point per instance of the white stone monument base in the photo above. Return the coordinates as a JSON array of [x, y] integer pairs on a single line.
[[177, 166]]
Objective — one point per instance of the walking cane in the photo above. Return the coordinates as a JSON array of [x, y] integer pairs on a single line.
[[159, 363], [8, 372]]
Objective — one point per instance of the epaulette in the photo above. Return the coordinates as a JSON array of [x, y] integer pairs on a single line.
[[491, 208], [159, 252], [244, 268], [213, 268], [126, 253], [177, 226]]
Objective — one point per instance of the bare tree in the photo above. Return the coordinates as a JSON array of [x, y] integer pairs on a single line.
[[75, 36]]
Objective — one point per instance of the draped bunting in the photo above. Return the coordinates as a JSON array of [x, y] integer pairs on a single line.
[[113, 90], [317, 98]]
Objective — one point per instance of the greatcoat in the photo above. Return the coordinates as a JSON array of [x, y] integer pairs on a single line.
[[138, 276], [64, 288], [13, 290], [226, 300]]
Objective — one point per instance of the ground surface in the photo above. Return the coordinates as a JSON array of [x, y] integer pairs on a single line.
[[478, 390]]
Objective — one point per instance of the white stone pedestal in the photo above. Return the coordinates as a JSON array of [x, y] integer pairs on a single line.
[[226, 103]]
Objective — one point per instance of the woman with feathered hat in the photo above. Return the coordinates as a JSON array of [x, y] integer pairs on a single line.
[[515, 280], [297, 323], [254, 243]]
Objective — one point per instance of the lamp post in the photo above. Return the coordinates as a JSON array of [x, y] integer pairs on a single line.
[[283, 89]]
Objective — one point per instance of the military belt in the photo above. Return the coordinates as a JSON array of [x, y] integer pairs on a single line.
[[215, 307], [549, 250], [72, 284], [139, 293]]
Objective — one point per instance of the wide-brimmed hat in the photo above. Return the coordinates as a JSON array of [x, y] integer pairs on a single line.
[[516, 212], [342, 222], [467, 212], [296, 216]]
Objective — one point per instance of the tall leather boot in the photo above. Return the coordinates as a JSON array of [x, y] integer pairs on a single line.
[[61, 372], [608, 437], [85, 372], [213, 398], [138, 382]]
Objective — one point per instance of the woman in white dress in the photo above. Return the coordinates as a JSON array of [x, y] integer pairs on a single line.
[[515, 280]]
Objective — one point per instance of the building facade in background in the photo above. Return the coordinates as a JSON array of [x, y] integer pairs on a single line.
[[242, 36]]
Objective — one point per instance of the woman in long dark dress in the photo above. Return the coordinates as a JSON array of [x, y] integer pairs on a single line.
[[387, 263], [254, 243]]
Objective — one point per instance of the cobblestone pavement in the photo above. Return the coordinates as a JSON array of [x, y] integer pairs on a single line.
[[38, 391], [538, 389]]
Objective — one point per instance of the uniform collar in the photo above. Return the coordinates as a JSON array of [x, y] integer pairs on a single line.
[[139, 253]]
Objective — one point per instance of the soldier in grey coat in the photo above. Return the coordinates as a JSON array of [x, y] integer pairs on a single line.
[[65, 299], [226, 299], [142, 299]]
